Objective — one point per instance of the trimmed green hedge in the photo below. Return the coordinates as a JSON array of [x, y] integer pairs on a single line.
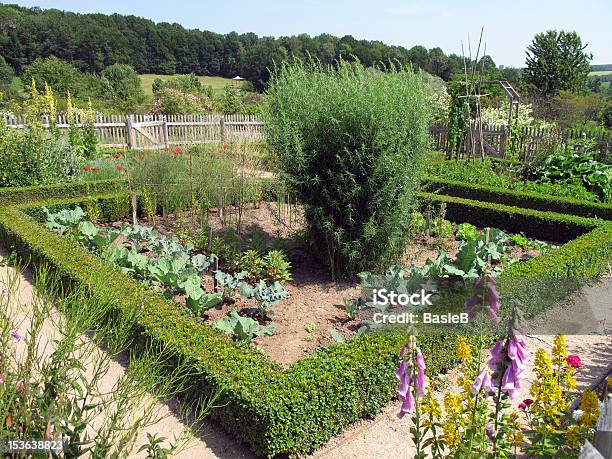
[[275, 410], [295, 410], [549, 278], [28, 194], [549, 226], [514, 198]]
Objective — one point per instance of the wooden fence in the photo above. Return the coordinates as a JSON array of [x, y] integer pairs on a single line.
[[163, 131], [160, 131], [529, 140]]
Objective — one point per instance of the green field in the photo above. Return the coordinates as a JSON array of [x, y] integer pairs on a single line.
[[218, 83], [601, 73]]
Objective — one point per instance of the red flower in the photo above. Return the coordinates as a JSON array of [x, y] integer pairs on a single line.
[[178, 150], [525, 404], [117, 156], [95, 169], [573, 361], [141, 157], [86, 168], [119, 168], [225, 146]]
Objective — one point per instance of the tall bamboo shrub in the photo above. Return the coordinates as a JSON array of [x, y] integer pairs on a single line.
[[350, 142]]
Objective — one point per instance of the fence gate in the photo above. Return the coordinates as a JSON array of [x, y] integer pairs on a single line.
[[147, 133]]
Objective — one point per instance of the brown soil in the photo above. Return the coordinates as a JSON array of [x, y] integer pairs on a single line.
[[305, 320]]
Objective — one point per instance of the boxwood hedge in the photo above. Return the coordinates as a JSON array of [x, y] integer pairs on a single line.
[[514, 198], [294, 410], [273, 409]]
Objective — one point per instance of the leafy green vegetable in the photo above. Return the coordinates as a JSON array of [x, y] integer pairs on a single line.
[[243, 328]]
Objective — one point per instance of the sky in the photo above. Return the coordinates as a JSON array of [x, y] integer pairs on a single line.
[[509, 26]]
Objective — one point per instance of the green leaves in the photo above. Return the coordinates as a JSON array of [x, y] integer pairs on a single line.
[[64, 219], [243, 328], [350, 142]]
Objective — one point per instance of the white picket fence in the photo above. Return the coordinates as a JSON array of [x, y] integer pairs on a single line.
[[160, 131]]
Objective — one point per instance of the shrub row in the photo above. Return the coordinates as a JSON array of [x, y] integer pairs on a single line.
[[28, 194], [549, 226], [528, 200], [277, 411]]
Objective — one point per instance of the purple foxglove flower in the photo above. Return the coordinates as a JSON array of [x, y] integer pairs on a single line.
[[420, 361], [511, 382], [497, 356], [404, 379], [485, 300], [470, 306], [490, 312], [483, 381], [421, 382], [407, 405], [1, 378], [489, 431], [16, 336]]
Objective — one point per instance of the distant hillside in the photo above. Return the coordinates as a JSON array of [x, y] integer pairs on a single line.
[[94, 41], [601, 68]]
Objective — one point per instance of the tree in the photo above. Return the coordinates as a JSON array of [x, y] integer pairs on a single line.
[[122, 87], [58, 74], [556, 61], [6, 77], [230, 101]]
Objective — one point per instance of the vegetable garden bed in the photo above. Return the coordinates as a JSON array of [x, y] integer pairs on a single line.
[[294, 410]]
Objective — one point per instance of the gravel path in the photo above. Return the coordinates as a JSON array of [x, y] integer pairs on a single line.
[[213, 443]]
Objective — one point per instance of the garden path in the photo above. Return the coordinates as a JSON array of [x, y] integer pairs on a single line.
[[211, 443]]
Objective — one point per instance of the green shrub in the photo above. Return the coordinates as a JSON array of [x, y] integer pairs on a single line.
[[502, 174], [24, 195], [31, 157], [350, 143], [527, 199]]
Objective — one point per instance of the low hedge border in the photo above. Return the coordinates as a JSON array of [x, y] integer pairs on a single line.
[[280, 411], [550, 226], [28, 194], [551, 277], [275, 410], [524, 199]]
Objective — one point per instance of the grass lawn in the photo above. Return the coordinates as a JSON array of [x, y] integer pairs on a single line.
[[601, 73], [218, 83]]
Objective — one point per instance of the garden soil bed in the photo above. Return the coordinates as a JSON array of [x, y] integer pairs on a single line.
[[304, 321]]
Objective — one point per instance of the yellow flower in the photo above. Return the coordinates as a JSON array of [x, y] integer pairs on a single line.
[[559, 349], [572, 437], [542, 363], [463, 349], [452, 403], [590, 409], [451, 436], [517, 439], [432, 408]]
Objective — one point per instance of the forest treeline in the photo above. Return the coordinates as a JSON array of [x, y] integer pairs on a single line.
[[92, 42]]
